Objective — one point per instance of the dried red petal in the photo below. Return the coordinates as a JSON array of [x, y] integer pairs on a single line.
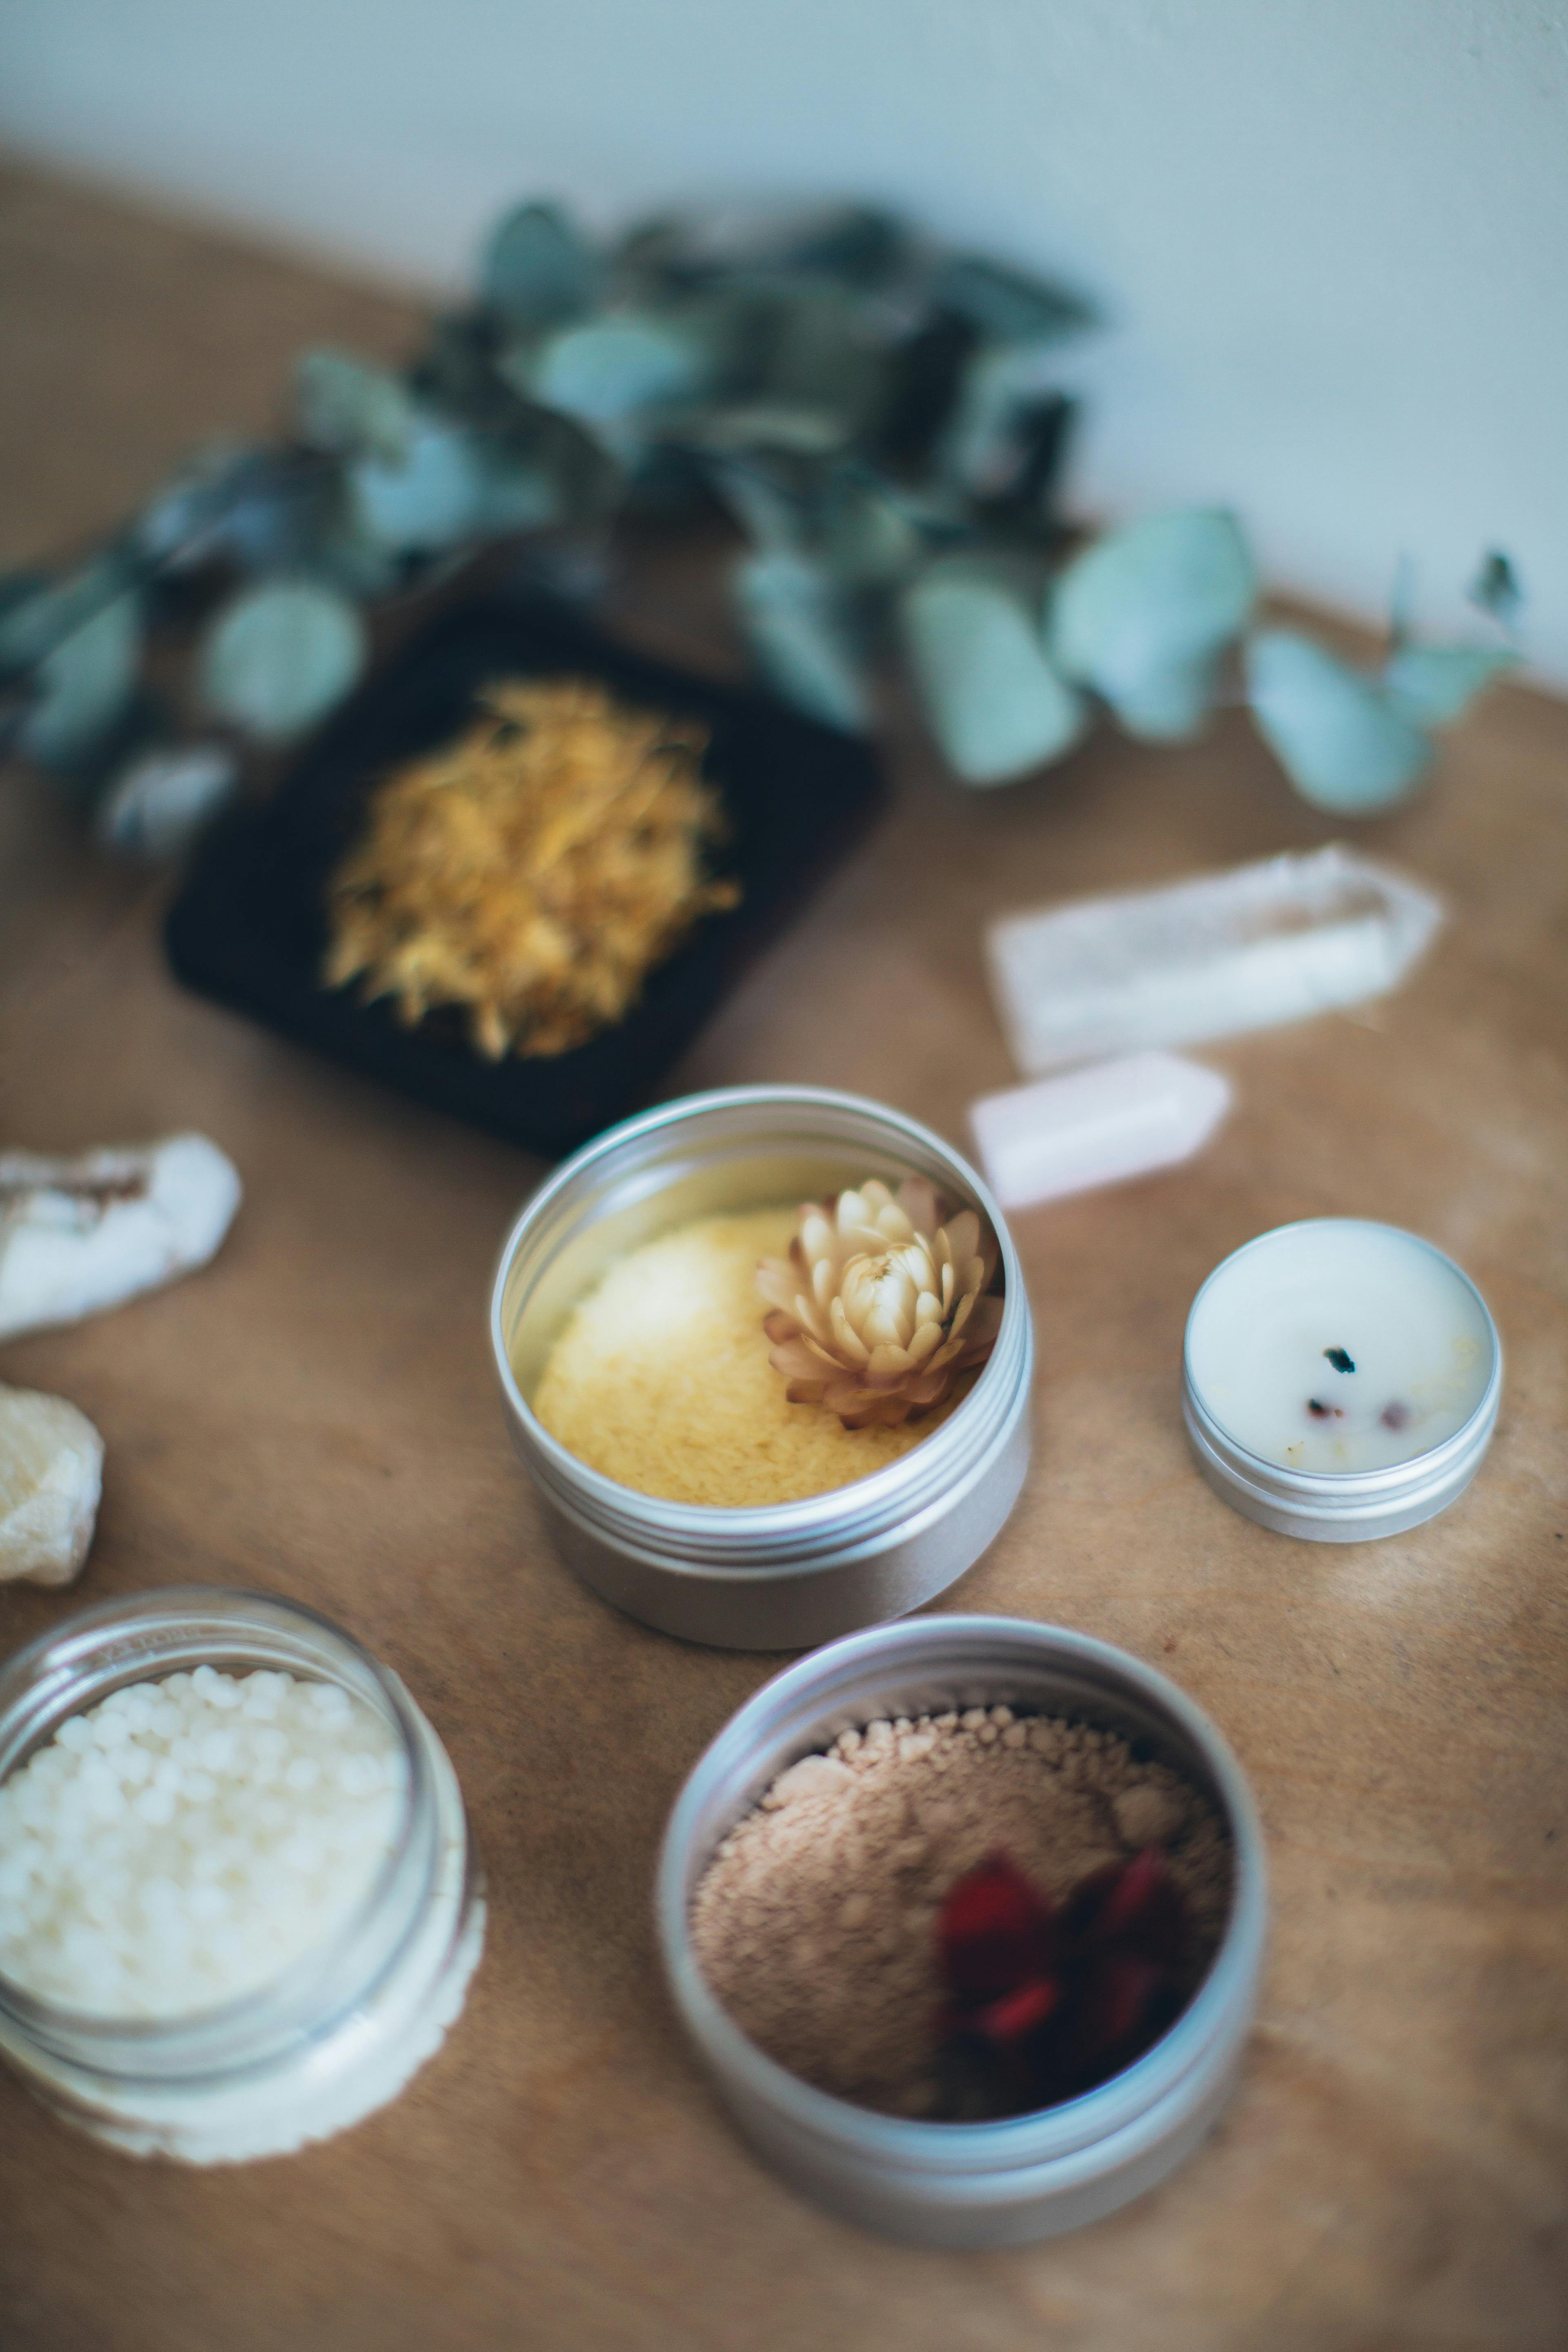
[[1135, 1905], [995, 1931], [1114, 2005], [1047, 2005], [1017, 2014]]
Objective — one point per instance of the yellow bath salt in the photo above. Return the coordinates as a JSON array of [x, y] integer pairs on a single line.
[[660, 1378]]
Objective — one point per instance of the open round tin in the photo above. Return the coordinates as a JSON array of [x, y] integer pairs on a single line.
[[783, 1575], [979, 2184]]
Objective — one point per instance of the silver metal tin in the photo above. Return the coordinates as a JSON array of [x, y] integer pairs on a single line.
[[790, 1574], [970, 2184], [1341, 1507]]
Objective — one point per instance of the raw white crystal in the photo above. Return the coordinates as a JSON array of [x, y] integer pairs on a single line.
[[51, 1474], [1206, 958], [77, 1235], [1095, 1127]]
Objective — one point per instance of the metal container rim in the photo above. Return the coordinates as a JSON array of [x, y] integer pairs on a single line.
[[914, 2147], [770, 1524]]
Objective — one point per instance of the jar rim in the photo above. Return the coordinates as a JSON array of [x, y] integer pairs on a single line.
[[250, 2028]]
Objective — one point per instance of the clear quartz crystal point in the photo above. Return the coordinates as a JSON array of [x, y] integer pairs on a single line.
[[1206, 958], [1096, 1126]]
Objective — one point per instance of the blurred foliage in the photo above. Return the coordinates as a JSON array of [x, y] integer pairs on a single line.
[[879, 417]]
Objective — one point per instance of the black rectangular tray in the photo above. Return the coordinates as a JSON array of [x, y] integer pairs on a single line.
[[249, 927]]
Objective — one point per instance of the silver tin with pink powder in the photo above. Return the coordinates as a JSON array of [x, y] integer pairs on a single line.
[[784, 1575], [971, 2184]]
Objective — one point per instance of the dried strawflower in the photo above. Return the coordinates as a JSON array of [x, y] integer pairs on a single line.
[[878, 1304], [1046, 2001], [534, 871]]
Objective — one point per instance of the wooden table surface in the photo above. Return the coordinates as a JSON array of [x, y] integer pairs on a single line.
[[316, 1413]]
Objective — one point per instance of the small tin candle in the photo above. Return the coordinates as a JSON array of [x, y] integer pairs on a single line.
[[1340, 1380]]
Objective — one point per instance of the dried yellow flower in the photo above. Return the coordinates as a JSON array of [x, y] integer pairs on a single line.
[[878, 1304], [534, 871]]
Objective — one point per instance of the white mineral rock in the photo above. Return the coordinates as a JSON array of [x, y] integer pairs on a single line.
[[51, 1474], [77, 1235]]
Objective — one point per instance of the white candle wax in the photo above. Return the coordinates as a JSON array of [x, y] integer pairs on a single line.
[[1336, 1346]]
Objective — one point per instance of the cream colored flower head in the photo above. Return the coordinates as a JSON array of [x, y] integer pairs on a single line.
[[878, 1304]]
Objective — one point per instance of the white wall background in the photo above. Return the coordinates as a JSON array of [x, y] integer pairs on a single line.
[[1331, 234]]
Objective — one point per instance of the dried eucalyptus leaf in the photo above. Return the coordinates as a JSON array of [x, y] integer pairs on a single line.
[[180, 521], [344, 403], [860, 244], [869, 540], [37, 613], [346, 557], [537, 269], [19, 588], [994, 703], [1008, 305], [1143, 615], [79, 639], [275, 658], [801, 636], [1432, 684], [998, 386], [1336, 734], [923, 379], [158, 804], [260, 508], [607, 370], [455, 374], [1496, 588], [791, 428], [427, 502], [810, 343], [1026, 496], [654, 255], [515, 493], [773, 517]]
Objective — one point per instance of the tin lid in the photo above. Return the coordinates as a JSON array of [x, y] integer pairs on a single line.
[[1340, 1505]]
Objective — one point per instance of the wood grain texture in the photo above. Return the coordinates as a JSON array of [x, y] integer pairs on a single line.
[[316, 1413]]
